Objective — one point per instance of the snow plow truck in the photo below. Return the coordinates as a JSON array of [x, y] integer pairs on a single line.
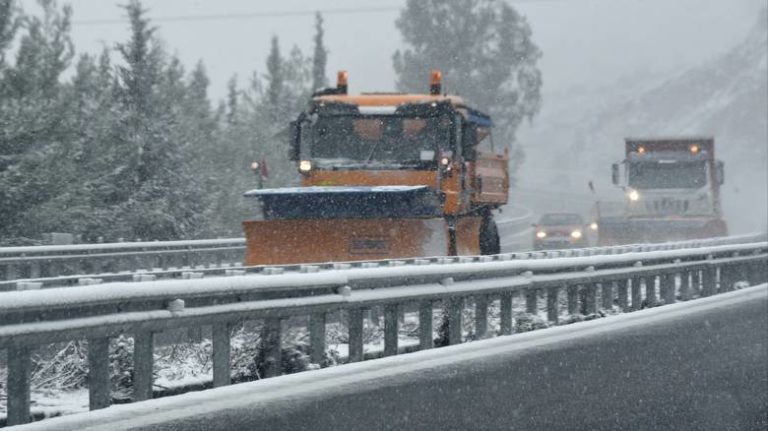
[[383, 176], [672, 192]]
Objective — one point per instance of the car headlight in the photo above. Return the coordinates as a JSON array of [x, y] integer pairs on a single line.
[[541, 234], [305, 166], [593, 225], [576, 234], [633, 195]]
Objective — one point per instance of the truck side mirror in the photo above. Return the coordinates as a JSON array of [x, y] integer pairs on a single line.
[[615, 173], [720, 172], [293, 141]]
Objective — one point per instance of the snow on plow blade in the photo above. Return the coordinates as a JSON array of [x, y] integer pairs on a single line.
[[336, 224], [614, 231]]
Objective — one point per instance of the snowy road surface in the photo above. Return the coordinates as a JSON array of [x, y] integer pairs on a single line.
[[701, 364]]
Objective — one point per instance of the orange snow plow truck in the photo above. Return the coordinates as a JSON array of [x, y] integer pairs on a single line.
[[383, 176]]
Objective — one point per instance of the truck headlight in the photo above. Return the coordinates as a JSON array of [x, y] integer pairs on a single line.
[[633, 195], [305, 166], [541, 234], [576, 234], [593, 225]]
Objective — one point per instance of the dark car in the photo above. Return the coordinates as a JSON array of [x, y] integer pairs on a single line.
[[559, 230]]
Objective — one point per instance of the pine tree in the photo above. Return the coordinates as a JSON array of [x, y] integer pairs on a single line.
[[320, 56], [275, 80], [9, 24], [34, 124], [159, 196]]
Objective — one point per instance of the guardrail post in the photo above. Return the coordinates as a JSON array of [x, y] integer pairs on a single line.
[[727, 277], [667, 288], [425, 325], [709, 281], [506, 313], [272, 345], [481, 316], [685, 285], [221, 350], [95, 266], [531, 300], [650, 291], [622, 287], [390, 329], [455, 308], [573, 299], [355, 328], [99, 384], [637, 298], [696, 282], [34, 269], [19, 366], [317, 337], [606, 294], [11, 272], [590, 299], [552, 306], [143, 361]]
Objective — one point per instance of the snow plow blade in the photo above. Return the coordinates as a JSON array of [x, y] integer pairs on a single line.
[[339, 224], [616, 231]]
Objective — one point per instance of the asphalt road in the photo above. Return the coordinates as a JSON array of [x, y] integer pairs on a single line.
[[705, 373], [701, 365]]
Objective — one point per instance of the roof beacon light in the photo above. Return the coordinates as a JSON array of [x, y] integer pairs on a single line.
[[694, 149], [435, 79], [341, 82]]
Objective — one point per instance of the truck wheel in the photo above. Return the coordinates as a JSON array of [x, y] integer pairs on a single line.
[[489, 237]]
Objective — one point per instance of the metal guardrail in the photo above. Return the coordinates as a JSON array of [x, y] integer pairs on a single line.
[[223, 268], [64, 264], [62, 260], [631, 280]]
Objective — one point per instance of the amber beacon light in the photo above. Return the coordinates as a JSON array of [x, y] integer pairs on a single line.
[[435, 85], [341, 81]]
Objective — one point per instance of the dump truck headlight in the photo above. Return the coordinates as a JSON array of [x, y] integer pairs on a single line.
[[305, 166], [633, 195], [576, 234], [593, 225], [541, 234]]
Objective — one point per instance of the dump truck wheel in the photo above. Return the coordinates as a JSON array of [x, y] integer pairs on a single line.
[[489, 237]]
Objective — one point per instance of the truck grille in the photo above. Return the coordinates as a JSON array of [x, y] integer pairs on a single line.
[[667, 206]]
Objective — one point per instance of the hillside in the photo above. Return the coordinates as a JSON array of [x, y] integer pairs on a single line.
[[726, 97]]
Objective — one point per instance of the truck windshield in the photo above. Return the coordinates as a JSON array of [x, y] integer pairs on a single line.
[[660, 175], [384, 138]]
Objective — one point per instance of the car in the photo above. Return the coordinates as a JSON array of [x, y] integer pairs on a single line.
[[559, 230]]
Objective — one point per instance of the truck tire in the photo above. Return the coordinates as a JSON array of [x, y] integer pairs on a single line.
[[489, 237]]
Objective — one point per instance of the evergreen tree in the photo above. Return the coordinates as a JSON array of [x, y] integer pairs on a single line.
[[232, 106], [34, 124], [9, 24], [159, 196], [320, 56], [485, 51], [274, 78]]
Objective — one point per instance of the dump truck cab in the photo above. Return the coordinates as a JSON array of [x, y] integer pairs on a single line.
[[381, 139], [672, 191], [414, 162]]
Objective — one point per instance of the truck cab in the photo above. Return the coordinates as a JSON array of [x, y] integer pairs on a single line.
[[671, 191]]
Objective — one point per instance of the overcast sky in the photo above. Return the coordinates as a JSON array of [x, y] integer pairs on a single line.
[[585, 42]]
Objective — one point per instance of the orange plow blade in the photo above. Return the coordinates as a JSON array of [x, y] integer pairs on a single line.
[[281, 242]]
